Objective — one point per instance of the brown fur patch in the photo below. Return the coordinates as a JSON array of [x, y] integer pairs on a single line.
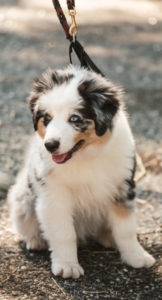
[[121, 211], [41, 128], [90, 137]]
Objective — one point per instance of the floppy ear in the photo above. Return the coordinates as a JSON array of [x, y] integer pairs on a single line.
[[101, 102]]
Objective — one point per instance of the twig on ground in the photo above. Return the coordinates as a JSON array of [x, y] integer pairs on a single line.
[[141, 201], [156, 222], [142, 170], [145, 201], [59, 287]]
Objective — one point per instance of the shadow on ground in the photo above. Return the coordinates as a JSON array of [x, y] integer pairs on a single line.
[[105, 276]]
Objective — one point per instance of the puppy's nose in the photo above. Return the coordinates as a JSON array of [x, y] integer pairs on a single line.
[[52, 146]]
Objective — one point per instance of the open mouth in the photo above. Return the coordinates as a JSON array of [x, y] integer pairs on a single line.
[[59, 159]]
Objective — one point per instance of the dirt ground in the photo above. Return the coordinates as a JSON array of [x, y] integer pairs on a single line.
[[125, 40]]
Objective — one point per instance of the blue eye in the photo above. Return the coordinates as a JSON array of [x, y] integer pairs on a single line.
[[75, 119]]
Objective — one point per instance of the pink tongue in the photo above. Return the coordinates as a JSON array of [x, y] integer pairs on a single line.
[[59, 158]]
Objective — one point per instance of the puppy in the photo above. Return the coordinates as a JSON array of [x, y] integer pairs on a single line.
[[77, 181]]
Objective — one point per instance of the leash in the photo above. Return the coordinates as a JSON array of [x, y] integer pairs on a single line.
[[71, 35], [85, 60]]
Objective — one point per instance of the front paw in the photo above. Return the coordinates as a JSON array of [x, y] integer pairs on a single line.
[[140, 259], [67, 269]]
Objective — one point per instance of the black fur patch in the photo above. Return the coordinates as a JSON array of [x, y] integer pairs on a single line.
[[32, 190], [36, 116], [130, 193], [130, 182], [127, 196], [61, 79], [101, 103]]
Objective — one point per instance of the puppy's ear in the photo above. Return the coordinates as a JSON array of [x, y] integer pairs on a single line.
[[101, 102]]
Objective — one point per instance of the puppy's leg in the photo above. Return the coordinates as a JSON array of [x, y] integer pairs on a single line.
[[55, 215], [22, 211], [123, 224], [28, 227]]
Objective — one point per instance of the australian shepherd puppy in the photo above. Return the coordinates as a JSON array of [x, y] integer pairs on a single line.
[[78, 177]]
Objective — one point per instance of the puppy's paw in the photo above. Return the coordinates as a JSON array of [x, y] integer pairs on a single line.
[[67, 269], [140, 259], [36, 243]]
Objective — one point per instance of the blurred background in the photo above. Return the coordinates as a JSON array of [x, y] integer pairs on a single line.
[[124, 38]]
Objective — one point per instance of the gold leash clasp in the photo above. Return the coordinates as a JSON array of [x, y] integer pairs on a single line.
[[74, 25]]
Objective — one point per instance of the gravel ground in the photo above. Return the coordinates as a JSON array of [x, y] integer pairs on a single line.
[[124, 38]]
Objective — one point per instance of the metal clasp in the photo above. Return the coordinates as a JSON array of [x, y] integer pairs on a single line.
[[74, 25]]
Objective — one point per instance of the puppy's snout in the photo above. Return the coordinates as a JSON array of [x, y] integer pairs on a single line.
[[52, 145]]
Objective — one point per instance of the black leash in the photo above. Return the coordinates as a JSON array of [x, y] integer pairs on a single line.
[[83, 57], [71, 35]]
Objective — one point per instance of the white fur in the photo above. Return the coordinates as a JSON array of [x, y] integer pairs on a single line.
[[77, 199]]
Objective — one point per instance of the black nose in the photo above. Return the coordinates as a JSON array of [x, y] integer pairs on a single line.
[[52, 146]]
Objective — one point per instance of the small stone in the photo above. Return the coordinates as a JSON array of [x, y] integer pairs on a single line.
[[23, 268]]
